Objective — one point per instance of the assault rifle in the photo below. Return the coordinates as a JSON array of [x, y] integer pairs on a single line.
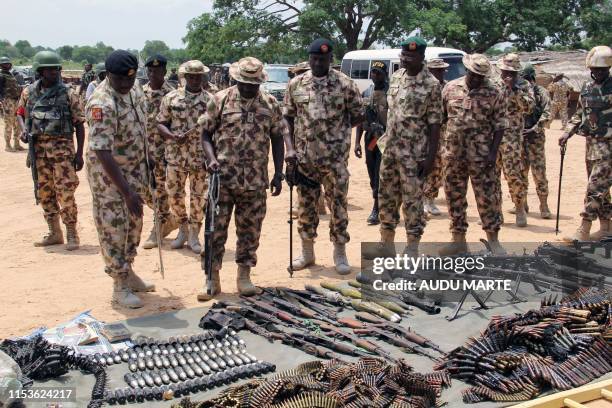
[[32, 164]]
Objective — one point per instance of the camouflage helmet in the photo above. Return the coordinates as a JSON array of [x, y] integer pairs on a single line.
[[195, 67], [528, 71], [5, 60], [44, 59], [99, 68], [599, 57]]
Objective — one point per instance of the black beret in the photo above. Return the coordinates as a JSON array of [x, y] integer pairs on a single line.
[[320, 46], [156, 60], [121, 62]]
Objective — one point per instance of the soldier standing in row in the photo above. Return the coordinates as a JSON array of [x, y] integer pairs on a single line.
[[154, 91], [593, 119], [88, 76], [437, 67], [51, 112], [9, 96], [321, 107], [559, 89], [240, 125], [207, 85], [475, 116], [534, 141], [376, 107], [177, 123], [100, 70], [118, 173], [520, 102]]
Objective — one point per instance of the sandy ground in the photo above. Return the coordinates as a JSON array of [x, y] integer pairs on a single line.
[[46, 286]]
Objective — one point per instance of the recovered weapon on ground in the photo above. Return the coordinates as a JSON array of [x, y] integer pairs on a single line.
[[212, 209], [32, 164], [294, 303], [330, 296], [563, 149], [361, 343], [295, 310], [316, 302], [360, 305]]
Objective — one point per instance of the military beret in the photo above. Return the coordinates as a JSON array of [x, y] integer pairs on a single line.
[[379, 66], [414, 44], [156, 60], [320, 46], [121, 62]]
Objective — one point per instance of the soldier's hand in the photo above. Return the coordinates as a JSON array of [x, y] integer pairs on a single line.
[[213, 166], [276, 185], [77, 162], [357, 151], [24, 136], [134, 204], [564, 138]]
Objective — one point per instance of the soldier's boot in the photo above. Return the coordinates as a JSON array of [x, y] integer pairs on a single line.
[[373, 218], [8, 147], [181, 238], [307, 256], [340, 260], [582, 233], [493, 240], [431, 208], [513, 210], [604, 230], [194, 238], [521, 216], [151, 242], [16, 146], [544, 210], [137, 284], [123, 295], [215, 288], [458, 245], [322, 207], [54, 236], [72, 237], [243, 282], [168, 226], [384, 249]]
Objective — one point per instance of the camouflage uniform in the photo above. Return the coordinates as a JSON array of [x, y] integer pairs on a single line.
[[116, 126], [560, 94], [534, 154], [414, 104], [376, 100], [157, 146], [211, 88], [86, 78], [181, 109], [434, 179], [241, 131], [55, 151], [472, 118], [519, 103], [10, 97], [325, 109], [593, 119]]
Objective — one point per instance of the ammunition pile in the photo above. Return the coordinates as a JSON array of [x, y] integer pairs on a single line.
[[561, 346], [367, 382]]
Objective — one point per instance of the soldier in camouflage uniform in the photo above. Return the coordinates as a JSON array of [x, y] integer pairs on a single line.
[[118, 174], [520, 102], [240, 125], [375, 103], [534, 140], [321, 106], [559, 89], [437, 67], [177, 124], [51, 112], [154, 91], [475, 116], [409, 147], [88, 76], [593, 119], [9, 96]]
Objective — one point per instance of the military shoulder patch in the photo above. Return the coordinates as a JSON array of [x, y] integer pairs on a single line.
[[96, 114]]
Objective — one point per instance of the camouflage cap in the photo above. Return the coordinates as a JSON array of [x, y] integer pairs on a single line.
[[437, 63], [300, 68], [477, 63], [195, 67], [509, 62], [248, 70], [5, 60]]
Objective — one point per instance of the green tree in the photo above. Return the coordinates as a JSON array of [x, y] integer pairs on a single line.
[[25, 49], [153, 47], [593, 20], [65, 51]]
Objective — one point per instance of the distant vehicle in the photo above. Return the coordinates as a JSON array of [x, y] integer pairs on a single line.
[[278, 78], [356, 64]]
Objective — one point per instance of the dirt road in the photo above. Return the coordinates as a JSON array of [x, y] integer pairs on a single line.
[[46, 286]]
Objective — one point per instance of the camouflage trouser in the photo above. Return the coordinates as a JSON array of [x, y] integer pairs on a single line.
[[250, 210], [175, 184], [535, 159], [11, 128], [512, 163], [597, 200], [399, 184], [559, 109], [485, 183], [335, 181], [161, 194], [57, 181], [433, 182], [118, 233]]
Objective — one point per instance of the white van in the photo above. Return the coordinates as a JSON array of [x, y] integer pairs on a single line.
[[356, 64]]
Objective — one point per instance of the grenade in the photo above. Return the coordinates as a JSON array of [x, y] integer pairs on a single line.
[[148, 379], [140, 364], [109, 359], [99, 359], [116, 357], [196, 368], [228, 361], [124, 355], [189, 371], [179, 348], [163, 350], [120, 396], [130, 395], [110, 398], [132, 354], [147, 350], [205, 367], [173, 375], [157, 378], [148, 394], [131, 380], [164, 376], [149, 363], [181, 359], [181, 373], [157, 361], [139, 395], [171, 349], [158, 393], [188, 348], [194, 346], [139, 351], [173, 361], [189, 358], [165, 361], [140, 380]]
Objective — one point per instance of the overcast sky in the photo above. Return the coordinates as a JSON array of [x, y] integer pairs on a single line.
[[119, 23]]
